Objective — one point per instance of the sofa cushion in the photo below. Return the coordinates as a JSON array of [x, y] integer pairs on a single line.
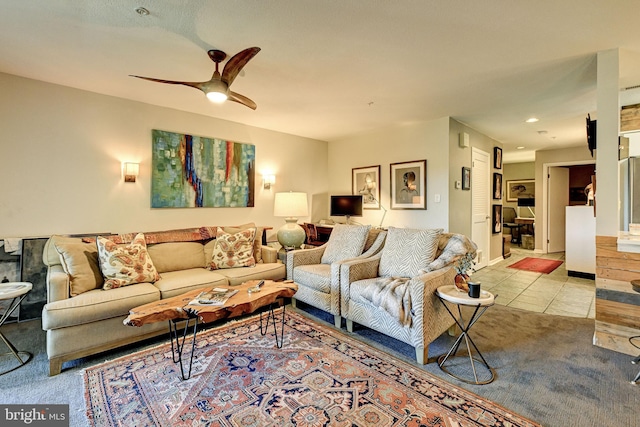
[[176, 256], [233, 250], [123, 265], [407, 251], [266, 271], [174, 283], [80, 261], [345, 241], [97, 305], [315, 276]]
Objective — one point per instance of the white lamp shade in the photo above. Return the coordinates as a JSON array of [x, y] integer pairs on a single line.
[[290, 205]]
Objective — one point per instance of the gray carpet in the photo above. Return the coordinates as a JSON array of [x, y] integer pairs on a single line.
[[547, 369]]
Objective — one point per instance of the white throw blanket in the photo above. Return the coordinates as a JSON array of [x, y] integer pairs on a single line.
[[392, 295]]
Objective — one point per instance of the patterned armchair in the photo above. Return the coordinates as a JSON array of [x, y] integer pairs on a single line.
[[393, 292], [316, 271]]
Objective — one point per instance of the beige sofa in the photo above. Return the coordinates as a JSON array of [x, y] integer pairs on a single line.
[[82, 319]]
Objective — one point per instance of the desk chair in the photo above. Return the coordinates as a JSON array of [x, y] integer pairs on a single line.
[[312, 235]]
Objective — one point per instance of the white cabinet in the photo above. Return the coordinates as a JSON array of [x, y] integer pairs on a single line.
[[580, 242]]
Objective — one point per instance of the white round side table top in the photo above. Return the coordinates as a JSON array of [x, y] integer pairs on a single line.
[[11, 290], [452, 294]]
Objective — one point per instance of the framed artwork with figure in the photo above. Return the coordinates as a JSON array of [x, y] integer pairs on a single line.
[[409, 185], [497, 158], [496, 219], [497, 186], [366, 181]]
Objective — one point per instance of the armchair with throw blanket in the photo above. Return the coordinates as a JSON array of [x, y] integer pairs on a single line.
[[316, 271], [393, 292]]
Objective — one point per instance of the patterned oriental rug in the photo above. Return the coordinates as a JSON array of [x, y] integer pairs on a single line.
[[320, 377], [537, 265]]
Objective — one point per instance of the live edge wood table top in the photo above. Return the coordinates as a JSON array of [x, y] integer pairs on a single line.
[[241, 303]]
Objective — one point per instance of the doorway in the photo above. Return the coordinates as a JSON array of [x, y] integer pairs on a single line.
[[579, 175], [480, 205]]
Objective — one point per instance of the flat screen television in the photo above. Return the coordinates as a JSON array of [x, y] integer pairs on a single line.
[[591, 134], [346, 206]]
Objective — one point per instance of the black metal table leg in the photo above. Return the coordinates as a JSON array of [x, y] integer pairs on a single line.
[[477, 313], [22, 356], [271, 315], [178, 347]]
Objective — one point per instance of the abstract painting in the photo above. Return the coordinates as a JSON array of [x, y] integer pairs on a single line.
[[195, 171]]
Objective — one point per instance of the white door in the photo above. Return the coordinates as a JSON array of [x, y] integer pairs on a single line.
[[558, 197], [480, 205]]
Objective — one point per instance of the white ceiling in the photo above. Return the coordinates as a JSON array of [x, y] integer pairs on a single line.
[[333, 68]]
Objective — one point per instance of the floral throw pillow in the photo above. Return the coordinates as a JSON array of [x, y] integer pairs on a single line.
[[233, 250], [123, 265]]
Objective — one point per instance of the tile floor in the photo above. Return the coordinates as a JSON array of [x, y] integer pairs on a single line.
[[554, 293]]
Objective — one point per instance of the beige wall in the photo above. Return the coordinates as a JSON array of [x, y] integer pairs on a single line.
[[518, 172], [567, 156], [460, 213], [61, 151], [417, 141]]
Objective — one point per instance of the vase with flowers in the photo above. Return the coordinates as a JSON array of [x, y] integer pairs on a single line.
[[464, 267]]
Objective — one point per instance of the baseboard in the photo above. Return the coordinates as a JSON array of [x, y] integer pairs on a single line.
[[495, 261]]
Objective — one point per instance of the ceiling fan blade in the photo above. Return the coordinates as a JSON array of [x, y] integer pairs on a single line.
[[197, 85], [241, 99], [236, 63]]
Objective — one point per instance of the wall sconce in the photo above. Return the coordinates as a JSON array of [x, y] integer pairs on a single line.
[[268, 181], [130, 171]]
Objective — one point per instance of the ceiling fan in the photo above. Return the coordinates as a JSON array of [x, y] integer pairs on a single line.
[[217, 89]]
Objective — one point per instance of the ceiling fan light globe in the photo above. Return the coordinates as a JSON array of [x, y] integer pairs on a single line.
[[217, 97]]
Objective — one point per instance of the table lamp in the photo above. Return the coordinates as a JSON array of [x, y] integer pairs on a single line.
[[291, 206]]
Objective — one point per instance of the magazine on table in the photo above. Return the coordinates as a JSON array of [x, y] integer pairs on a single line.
[[214, 297]]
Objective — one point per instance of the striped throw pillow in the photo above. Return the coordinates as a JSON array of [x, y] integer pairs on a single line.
[[407, 251]]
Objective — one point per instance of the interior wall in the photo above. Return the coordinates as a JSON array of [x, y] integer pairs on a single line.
[[417, 141], [62, 149], [566, 156], [518, 172], [461, 203]]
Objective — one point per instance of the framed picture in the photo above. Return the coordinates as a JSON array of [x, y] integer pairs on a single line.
[[409, 185], [496, 219], [497, 186], [366, 181], [466, 178], [497, 157], [523, 188], [190, 171]]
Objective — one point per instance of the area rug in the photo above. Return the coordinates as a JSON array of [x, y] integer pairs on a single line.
[[320, 377], [537, 265]]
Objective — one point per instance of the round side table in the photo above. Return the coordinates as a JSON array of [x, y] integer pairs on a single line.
[[450, 294], [16, 292]]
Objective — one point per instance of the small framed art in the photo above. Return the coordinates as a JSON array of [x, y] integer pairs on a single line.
[[496, 219], [497, 186], [497, 157], [409, 185], [466, 178], [366, 181]]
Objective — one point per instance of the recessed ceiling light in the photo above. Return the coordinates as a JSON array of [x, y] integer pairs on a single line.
[[532, 120], [521, 147]]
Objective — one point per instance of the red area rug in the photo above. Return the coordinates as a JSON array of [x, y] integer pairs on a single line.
[[538, 265], [320, 377]]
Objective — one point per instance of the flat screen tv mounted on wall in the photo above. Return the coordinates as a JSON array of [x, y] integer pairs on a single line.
[[591, 134], [347, 205]]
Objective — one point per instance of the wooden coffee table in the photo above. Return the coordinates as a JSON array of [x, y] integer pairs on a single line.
[[177, 309]]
